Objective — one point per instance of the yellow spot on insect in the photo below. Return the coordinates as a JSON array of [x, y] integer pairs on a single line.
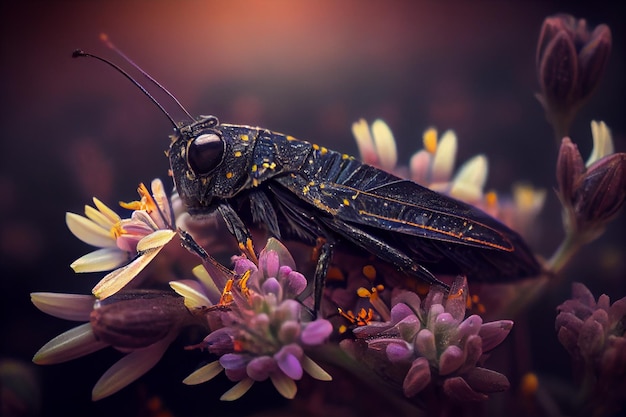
[[345, 156], [229, 175], [254, 168], [266, 165], [255, 182], [273, 166], [369, 271], [312, 183], [430, 140], [305, 189], [237, 154], [316, 147], [322, 186], [346, 202], [290, 138], [323, 150], [244, 137]]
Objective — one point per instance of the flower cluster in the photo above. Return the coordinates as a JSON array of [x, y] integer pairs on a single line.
[[262, 330], [433, 167], [570, 63], [140, 237], [593, 192], [439, 346], [141, 323], [594, 334]]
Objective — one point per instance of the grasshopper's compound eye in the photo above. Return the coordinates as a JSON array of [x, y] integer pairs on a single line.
[[205, 153]]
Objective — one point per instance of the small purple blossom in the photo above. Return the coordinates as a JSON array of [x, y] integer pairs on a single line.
[[439, 345], [594, 334], [266, 331]]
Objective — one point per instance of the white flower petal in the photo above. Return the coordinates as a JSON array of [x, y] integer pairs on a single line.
[[75, 307], [129, 368], [419, 166], [602, 142], [88, 231], [284, 385], [193, 297], [162, 201], [473, 172], [204, 374], [364, 142], [99, 218], [155, 240], [145, 219], [101, 260], [116, 280], [465, 192], [211, 289], [104, 209], [528, 200], [385, 145], [443, 162], [313, 369], [238, 390], [74, 343]]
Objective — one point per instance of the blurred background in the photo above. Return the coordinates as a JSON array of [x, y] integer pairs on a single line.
[[73, 129]]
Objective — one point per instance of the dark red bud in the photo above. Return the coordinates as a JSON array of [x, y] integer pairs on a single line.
[[137, 318], [569, 167]]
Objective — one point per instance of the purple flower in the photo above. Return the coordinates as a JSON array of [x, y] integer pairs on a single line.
[[266, 331], [594, 334], [141, 323], [591, 193], [571, 60], [439, 345]]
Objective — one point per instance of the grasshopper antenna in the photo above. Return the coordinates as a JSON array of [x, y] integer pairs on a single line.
[[105, 38], [79, 53]]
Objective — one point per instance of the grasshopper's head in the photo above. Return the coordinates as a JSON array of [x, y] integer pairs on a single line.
[[208, 162]]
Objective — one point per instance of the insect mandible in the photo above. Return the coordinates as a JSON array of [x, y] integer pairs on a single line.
[[296, 190]]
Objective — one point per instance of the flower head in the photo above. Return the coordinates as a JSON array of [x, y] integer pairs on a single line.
[[438, 344], [594, 334], [571, 59], [591, 193], [141, 323], [139, 237], [265, 330]]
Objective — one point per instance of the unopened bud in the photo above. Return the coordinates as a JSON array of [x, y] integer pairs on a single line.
[[135, 319]]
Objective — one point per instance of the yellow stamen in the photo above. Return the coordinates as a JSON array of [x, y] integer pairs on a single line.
[[117, 230], [491, 198], [369, 271], [227, 295], [375, 300], [529, 384], [146, 203], [335, 274], [362, 319], [430, 140], [243, 283]]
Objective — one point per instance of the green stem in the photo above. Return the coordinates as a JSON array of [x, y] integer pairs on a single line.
[[569, 247], [566, 250]]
